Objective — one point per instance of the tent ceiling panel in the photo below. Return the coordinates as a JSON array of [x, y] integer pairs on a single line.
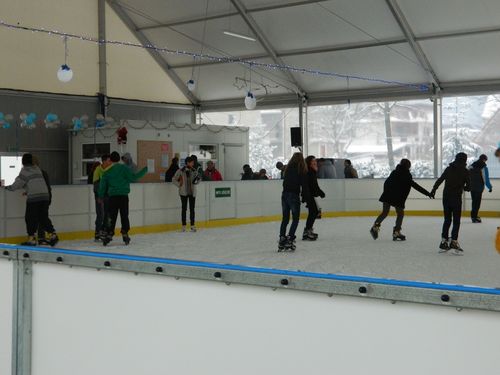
[[188, 37], [436, 16], [214, 83], [465, 58], [375, 62], [291, 28], [151, 12]]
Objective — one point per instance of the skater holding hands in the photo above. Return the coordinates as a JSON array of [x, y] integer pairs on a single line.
[[396, 190], [294, 182], [314, 191], [456, 179]]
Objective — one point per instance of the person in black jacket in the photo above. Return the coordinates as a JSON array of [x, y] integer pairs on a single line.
[[294, 182], [170, 173], [396, 190], [457, 179], [479, 178], [314, 191], [247, 173]]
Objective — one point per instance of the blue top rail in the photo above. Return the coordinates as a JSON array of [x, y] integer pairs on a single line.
[[231, 267]]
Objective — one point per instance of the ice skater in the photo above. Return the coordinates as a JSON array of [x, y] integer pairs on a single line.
[[115, 182], [314, 191], [456, 178], [294, 183], [479, 177], [396, 190], [186, 180]]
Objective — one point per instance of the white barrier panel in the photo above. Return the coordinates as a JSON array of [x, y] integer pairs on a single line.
[[6, 281], [90, 322]]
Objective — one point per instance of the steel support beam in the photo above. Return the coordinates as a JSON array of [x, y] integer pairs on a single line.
[[410, 37], [101, 19], [231, 14], [181, 85], [22, 318], [238, 4], [438, 136]]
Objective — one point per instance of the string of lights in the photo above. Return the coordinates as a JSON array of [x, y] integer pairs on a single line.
[[222, 59]]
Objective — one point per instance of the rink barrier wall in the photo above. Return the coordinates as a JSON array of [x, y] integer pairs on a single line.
[[156, 207]]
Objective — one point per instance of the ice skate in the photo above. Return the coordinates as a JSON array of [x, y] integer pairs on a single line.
[[290, 243], [126, 238], [97, 237], [193, 229], [53, 240], [107, 239], [282, 244], [30, 242], [444, 246], [476, 220], [375, 230], [398, 236], [308, 235], [183, 229], [43, 241], [455, 246]]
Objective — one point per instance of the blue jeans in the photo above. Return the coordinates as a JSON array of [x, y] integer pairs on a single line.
[[290, 202]]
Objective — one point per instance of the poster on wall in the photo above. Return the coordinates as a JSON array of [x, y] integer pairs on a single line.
[[182, 159], [164, 161], [151, 165]]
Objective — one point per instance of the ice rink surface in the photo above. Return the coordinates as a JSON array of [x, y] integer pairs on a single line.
[[344, 247]]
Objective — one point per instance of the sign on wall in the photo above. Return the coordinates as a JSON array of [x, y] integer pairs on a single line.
[[224, 192]]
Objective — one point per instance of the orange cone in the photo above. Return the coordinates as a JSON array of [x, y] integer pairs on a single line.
[[497, 241]]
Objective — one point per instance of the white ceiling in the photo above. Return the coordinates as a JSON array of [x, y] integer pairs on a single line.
[[325, 24]]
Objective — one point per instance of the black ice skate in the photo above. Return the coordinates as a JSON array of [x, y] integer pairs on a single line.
[[455, 246], [290, 243], [398, 236], [282, 244], [53, 239], [374, 231], [30, 242], [476, 220], [43, 241], [444, 246], [126, 238], [309, 235], [106, 239]]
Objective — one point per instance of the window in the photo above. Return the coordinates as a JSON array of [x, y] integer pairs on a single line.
[[375, 136], [471, 124], [92, 152]]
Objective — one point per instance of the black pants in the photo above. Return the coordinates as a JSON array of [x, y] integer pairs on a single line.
[[476, 203], [400, 212], [312, 214], [118, 203], [184, 200], [37, 216], [290, 202], [452, 213]]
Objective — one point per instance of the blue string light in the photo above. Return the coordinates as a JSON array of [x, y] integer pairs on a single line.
[[220, 59]]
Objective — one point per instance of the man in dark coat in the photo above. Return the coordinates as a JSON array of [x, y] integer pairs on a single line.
[[396, 190], [479, 178]]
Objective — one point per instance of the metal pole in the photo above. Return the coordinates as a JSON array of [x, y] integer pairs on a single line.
[[438, 136], [22, 318], [101, 19]]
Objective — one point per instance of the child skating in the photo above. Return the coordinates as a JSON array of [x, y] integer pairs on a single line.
[[456, 179], [294, 183], [396, 190]]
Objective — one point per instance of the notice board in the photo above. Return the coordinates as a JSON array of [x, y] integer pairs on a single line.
[[157, 155]]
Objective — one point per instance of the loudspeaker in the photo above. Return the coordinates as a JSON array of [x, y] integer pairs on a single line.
[[296, 137]]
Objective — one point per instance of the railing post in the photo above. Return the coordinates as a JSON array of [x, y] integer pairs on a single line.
[[22, 318]]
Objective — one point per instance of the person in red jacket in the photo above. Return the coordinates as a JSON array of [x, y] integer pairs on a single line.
[[212, 174]]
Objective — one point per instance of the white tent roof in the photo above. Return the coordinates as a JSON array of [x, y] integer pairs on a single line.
[[454, 44]]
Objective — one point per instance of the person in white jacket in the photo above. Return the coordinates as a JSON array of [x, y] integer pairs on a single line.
[[186, 180]]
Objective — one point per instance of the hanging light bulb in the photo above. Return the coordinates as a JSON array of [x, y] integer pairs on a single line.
[[64, 74], [250, 101], [191, 85]]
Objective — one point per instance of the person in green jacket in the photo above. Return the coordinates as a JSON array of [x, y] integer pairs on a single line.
[[115, 182]]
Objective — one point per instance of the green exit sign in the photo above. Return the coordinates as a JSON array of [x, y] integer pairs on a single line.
[[222, 192]]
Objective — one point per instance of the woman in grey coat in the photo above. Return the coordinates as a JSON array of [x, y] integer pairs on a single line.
[[186, 180]]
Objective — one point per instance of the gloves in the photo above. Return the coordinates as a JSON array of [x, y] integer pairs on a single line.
[[491, 190], [432, 194], [322, 195]]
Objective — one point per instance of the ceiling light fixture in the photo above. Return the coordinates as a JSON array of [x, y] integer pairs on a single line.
[[236, 35]]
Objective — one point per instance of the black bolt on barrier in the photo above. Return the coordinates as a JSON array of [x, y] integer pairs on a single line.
[[26, 255], [445, 298], [284, 282], [159, 269], [217, 275], [59, 259], [6, 253], [107, 264], [362, 289]]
